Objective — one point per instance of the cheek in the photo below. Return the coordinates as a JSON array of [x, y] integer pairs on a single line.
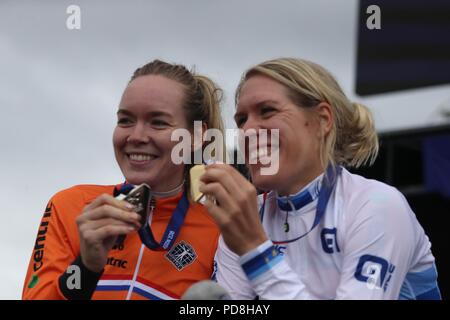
[[296, 143], [118, 139], [163, 141]]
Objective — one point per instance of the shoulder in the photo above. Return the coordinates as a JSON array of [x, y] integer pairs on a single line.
[[80, 195], [378, 216], [368, 199], [360, 191]]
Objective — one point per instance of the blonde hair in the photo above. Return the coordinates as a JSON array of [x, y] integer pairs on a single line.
[[202, 97], [352, 140]]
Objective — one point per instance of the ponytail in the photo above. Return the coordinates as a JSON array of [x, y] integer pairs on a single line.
[[358, 141]]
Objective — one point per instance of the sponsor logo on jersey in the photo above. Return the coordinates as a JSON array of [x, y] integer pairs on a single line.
[[329, 240], [117, 262], [33, 282], [375, 271], [281, 249], [181, 255], [38, 253]]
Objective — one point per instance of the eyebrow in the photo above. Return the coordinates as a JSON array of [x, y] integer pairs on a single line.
[[263, 102], [258, 105], [151, 113]]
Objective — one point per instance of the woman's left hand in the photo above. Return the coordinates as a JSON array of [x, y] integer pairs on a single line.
[[235, 210]]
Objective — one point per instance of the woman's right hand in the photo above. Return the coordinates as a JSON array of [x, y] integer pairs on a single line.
[[101, 222]]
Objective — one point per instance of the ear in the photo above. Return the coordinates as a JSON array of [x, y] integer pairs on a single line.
[[325, 117], [197, 137]]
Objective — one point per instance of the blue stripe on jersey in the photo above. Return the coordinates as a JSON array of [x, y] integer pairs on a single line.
[[433, 294], [298, 201], [112, 288], [421, 285], [136, 290], [264, 268], [260, 259], [262, 262], [146, 294]]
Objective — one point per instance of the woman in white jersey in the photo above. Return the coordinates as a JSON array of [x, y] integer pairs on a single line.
[[317, 231]]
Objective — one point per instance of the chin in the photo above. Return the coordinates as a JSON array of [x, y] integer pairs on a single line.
[[263, 182], [136, 180]]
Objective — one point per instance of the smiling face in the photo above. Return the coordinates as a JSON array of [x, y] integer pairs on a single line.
[[150, 109], [264, 104]]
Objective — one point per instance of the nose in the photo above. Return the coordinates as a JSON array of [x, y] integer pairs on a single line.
[[251, 123], [251, 131], [138, 134]]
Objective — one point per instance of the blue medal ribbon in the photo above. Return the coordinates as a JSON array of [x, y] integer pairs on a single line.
[[173, 228], [328, 184]]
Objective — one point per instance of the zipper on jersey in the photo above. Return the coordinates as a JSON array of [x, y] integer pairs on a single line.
[[141, 254]]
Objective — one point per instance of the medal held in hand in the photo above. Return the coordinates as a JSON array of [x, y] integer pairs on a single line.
[[139, 197]]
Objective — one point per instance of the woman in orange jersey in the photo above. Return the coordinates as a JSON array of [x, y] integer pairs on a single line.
[[87, 245]]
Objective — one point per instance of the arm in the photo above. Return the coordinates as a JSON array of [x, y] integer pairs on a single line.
[[52, 254], [244, 242], [230, 274], [63, 267], [380, 246]]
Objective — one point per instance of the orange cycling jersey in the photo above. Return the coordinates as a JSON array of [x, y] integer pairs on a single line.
[[132, 271]]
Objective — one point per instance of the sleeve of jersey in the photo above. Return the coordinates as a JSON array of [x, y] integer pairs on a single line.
[[261, 273], [378, 247], [230, 275], [54, 266], [270, 275]]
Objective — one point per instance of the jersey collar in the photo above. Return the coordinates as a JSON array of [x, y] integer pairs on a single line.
[[302, 198]]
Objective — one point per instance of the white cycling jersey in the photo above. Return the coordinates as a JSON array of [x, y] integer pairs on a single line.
[[368, 245]]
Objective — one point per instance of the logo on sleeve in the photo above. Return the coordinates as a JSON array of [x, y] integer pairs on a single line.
[[375, 271], [214, 273], [38, 253], [181, 255], [280, 249], [329, 240]]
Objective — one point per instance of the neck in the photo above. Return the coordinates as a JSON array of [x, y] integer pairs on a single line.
[[299, 184], [168, 193]]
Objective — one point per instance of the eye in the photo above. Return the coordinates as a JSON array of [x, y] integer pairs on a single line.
[[267, 110], [158, 123], [240, 120], [124, 121]]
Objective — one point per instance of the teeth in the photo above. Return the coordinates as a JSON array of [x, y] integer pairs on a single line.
[[257, 154], [262, 153], [140, 157]]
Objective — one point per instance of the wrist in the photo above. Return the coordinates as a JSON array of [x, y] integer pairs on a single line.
[[260, 260], [251, 246], [92, 267], [78, 282]]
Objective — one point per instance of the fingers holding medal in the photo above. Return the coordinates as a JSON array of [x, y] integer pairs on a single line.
[[235, 209]]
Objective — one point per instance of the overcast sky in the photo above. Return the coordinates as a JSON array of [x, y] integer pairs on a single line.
[[59, 88]]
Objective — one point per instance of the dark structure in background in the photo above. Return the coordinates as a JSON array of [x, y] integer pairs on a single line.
[[417, 162], [411, 50]]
